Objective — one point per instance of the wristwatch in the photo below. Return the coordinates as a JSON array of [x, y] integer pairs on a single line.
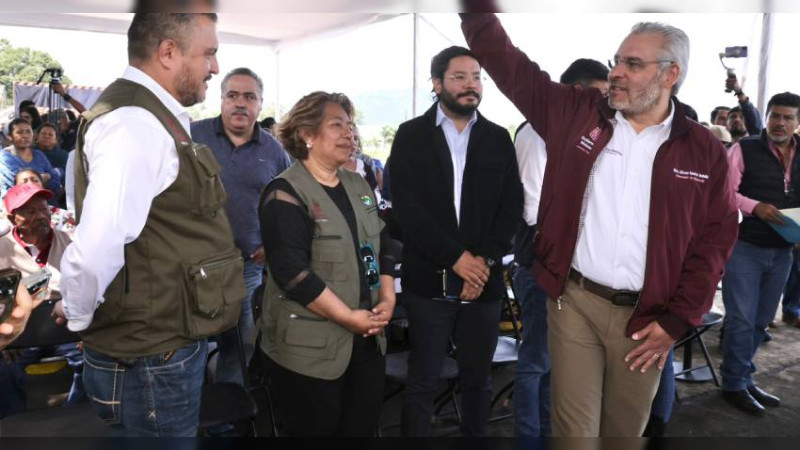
[[490, 262], [67, 97]]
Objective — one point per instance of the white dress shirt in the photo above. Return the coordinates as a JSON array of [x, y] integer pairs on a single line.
[[132, 159], [69, 181], [612, 242], [457, 143], [532, 160]]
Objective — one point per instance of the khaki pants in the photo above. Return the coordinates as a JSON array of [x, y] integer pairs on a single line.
[[594, 392]]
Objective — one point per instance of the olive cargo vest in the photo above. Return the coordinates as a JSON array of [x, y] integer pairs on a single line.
[[183, 276], [292, 335]]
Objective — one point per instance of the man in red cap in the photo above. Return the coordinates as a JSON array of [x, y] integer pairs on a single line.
[[32, 244]]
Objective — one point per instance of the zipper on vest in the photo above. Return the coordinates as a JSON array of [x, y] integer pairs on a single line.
[[211, 266], [327, 237], [307, 319]]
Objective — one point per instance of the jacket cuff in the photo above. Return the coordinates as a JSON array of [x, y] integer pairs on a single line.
[[747, 205], [449, 256], [77, 324], [675, 325], [493, 251]]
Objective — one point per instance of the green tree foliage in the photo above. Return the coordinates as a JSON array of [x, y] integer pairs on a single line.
[[24, 64], [387, 133]]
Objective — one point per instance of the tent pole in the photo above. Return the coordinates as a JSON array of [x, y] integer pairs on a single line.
[[277, 95], [768, 22]]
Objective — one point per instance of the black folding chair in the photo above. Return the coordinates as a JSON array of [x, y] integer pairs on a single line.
[[507, 350], [258, 366], [223, 403], [684, 370]]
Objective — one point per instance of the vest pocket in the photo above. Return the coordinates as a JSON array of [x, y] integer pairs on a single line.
[[209, 195], [327, 259], [215, 290], [307, 335]]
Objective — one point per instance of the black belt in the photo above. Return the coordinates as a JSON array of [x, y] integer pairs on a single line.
[[617, 297]]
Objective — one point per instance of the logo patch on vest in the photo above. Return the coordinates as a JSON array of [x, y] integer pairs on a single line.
[[316, 210], [366, 200]]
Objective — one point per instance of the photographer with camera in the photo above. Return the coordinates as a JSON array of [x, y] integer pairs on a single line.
[[59, 89], [744, 119], [68, 124], [66, 121]]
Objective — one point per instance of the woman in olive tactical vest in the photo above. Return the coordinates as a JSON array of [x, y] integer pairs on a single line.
[[330, 290]]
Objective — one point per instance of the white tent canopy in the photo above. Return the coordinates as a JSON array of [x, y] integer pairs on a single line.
[[271, 30], [274, 32]]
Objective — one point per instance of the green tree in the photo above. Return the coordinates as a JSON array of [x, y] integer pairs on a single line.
[[24, 64], [512, 130], [387, 133]]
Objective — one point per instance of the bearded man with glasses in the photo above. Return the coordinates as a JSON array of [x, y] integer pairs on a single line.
[[457, 196], [636, 219]]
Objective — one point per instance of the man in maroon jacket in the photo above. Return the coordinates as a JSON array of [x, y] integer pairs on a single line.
[[636, 220]]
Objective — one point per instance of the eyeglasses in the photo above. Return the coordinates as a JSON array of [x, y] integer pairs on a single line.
[[367, 253], [461, 78], [634, 64]]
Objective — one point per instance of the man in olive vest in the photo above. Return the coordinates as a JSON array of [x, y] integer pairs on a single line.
[[765, 175], [153, 269]]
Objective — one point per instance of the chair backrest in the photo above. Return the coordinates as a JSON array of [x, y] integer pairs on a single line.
[[42, 330]]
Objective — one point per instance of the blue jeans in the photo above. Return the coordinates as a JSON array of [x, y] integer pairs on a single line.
[[228, 368], [751, 289], [153, 396], [75, 360], [665, 396], [532, 380], [791, 294]]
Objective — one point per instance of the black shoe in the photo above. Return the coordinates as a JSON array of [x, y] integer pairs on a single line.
[[743, 401], [767, 336], [762, 397]]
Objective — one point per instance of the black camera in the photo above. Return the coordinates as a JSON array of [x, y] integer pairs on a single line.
[[55, 74], [735, 52]]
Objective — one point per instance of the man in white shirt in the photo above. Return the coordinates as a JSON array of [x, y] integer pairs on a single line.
[[532, 380], [142, 282], [635, 222]]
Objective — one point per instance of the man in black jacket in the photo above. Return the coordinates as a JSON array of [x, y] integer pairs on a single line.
[[458, 198]]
